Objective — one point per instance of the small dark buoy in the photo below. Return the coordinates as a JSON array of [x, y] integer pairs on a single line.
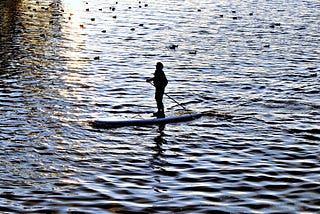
[[273, 25], [199, 10], [221, 16], [133, 29], [173, 47], [250, 14], [103, 31], [141, 25], [96, 58], [146, 5], [87, 9], [314, 75], [266, 46], [234, 18], [193, 52], [114, 17], [100, 9], [233, 11], [93, 19]]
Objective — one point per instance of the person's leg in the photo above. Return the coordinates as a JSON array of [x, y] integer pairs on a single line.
[[160, 106]]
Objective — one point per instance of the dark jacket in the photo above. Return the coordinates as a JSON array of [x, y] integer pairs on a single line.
[[160, 80]]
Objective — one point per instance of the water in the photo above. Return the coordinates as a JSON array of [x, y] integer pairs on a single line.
[[256, 66]]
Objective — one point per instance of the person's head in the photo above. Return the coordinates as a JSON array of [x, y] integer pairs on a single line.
[[159, 66]]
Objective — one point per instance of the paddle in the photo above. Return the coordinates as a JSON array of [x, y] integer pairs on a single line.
[[172, 99], [210, 113]]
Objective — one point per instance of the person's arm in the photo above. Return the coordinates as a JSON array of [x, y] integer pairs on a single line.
[[149, 79]]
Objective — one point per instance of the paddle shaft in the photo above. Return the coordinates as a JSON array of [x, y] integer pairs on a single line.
[[172, 99]]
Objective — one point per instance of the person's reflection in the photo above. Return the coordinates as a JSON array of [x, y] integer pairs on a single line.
[[159, 141], [158, 162]]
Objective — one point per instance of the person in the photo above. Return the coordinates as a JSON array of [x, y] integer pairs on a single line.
[[160, 82]]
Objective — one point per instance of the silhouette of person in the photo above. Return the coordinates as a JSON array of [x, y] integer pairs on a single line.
[[160, 82]]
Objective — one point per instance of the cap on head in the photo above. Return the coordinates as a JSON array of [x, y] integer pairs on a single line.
[[159, 66]]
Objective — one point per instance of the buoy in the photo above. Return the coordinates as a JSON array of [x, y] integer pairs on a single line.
[[173, 47]]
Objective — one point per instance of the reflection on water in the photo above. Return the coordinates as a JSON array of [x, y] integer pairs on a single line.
[[254, 64]]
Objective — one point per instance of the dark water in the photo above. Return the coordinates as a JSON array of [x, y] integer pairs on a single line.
[[256, 66]]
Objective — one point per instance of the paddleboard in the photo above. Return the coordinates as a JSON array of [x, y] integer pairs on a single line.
[[144, 122]]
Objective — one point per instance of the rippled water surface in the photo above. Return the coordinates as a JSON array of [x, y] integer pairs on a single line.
[[254, 64]]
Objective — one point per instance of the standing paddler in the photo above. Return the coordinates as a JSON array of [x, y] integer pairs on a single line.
[[160, 82]]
